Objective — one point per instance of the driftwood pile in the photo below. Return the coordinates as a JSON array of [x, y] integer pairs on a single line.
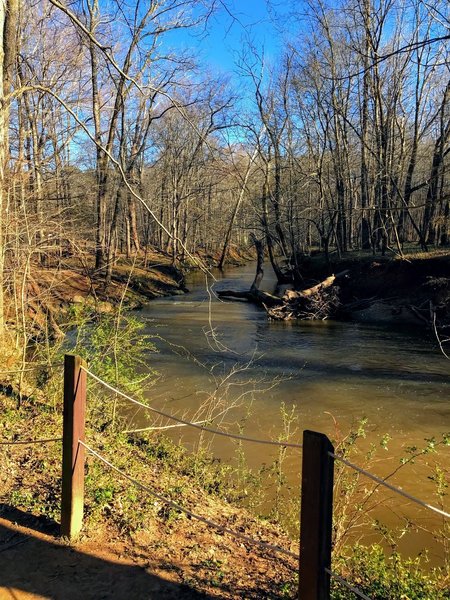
[[315, 303], [320, 301]]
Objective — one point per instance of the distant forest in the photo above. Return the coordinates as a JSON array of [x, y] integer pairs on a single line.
[[112, 141]]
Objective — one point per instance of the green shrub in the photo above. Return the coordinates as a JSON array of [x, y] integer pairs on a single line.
[[387, 577]]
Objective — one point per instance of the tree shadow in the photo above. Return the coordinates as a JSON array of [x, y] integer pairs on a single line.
[[31, 563]]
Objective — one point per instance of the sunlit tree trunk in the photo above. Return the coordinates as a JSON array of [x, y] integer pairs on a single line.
[[8, 51], [3, 141], [365, 201]]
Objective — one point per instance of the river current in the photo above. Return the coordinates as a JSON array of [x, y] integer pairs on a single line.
[[334, 374]]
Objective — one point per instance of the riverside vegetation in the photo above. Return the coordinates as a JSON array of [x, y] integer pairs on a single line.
[[229, 494], [125, 156]]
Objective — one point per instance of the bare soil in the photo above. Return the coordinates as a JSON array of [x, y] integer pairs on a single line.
[[133, 281], [186, 560]]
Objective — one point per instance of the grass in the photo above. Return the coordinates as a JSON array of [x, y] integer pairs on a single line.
[[119, 514], [383, 577]]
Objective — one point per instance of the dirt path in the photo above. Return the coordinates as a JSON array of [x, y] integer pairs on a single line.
[[191, 562], [34, 565]]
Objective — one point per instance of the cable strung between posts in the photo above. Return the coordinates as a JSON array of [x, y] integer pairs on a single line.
[[390, 487], [188, 423], [29, 369], [31, 441], [173, 504], [347, 585]]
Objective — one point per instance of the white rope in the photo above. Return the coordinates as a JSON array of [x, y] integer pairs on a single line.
[[245, 538], [188, 423], [162, 428], [390, 487], [347, 585], [30, 441]]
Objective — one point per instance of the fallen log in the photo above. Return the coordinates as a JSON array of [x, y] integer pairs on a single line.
[[317, 302], [291, 295], [254, 294]]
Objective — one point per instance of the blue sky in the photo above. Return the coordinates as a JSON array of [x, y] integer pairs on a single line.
[[227, 34], [220, 45]]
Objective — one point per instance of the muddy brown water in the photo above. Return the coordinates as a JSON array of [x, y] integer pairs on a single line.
[[333, 373]]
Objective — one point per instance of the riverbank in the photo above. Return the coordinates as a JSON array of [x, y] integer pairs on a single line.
[[132, 545], [51, 299], [52, 289], [133, 282], [389, 288], [359, 286]]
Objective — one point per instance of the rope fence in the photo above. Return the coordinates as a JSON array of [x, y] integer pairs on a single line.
[[346, 584], [189, 423], [184, 422], [387, 485], [186, 511], [317, 504], [317, 484], [25, 442]]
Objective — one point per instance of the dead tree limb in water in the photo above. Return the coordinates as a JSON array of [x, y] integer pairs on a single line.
[[326, 283], [254, 294], [317, 302], [319, 305]]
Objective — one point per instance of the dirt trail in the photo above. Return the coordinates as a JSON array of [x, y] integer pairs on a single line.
[[36, 566], [189, 561]]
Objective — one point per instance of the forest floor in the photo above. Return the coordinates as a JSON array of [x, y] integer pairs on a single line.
[[188, 561]]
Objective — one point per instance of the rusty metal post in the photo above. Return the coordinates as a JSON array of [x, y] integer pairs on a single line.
[[316, 517], [74, 411]]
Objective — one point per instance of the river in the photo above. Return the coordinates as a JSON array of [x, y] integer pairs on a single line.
[[334, 374]]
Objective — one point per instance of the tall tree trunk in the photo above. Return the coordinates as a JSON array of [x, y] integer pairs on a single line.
[[101, 166], [266, 226], [236, 208], [444, 241], [132, 215], [365, 227], [112, 237], [428, 228], [3, 141], [9, 10], [276, 199]]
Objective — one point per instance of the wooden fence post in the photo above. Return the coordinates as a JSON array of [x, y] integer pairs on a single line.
[[316, 517], [74, 411]]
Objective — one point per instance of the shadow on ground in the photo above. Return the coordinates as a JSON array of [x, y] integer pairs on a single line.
[[33, 565]]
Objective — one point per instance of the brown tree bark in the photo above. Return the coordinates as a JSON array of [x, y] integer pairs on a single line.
[[9, 10]]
